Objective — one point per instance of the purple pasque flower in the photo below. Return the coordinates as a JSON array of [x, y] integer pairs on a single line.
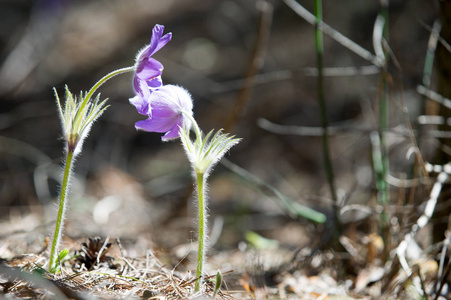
[[170, 107], [147, 69]]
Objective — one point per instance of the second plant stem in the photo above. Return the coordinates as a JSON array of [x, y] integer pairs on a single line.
[[322, 103], [202, 235], [61, 210], [384, 119]]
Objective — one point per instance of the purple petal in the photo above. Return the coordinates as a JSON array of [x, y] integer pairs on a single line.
[[163, 41], [141, 106], [155, 82], [171, 134], [164, 107], [148, 68], [172, 96], [141, 89], [157, 41], [155, 124]]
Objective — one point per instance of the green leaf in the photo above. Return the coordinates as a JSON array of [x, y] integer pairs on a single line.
[[218, 283], [260, 242], [63, 254], [57, 266]]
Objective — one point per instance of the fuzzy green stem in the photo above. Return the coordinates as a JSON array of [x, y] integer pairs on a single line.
[[102, 81], [62, 209], [193, 122], [202, 228], [72, 140], [322, 104]]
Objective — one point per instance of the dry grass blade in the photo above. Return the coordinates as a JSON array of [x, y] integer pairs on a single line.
[[146, 277]]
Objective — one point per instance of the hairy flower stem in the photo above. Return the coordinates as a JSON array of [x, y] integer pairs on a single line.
[[62, 209], [196, 128], [202, 229], [203, 153], [76, 122], [102, 81]]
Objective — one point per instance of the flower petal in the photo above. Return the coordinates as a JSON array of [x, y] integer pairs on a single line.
[[169, 108], [148, 68], [172, 134], [155, 124], [141, 89], [157, 41], [174, 96], [141, 106], [155, 82]]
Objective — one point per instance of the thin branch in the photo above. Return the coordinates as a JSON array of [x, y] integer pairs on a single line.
[[102, 249], [334, 34], [436, 34], [123, 256], [378, 32], [422, 90], [328, 166], [256, 63], [424, 218], [334, 130], [446, 243], [281, 75]]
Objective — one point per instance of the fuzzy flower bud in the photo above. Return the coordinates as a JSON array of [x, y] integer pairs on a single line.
[[77, 118]]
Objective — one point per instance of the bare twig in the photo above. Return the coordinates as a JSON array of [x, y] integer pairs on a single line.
[[430, 54], [342, 71], [334, 34], [436, 35], [443, 280], [380, 34], [123, 256], [440, 277], [101, 251], [422, 90], [319, 47], [333, 130], [425, 217], [281, 75], [378, 31], [256, 62]]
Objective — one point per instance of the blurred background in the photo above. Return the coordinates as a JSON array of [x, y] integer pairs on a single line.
[[129, 184]]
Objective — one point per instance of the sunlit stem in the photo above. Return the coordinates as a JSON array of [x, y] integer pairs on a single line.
[[62, 209], [71, 146], [194, 123], [202, 235], [202, 228], [102, 81]]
